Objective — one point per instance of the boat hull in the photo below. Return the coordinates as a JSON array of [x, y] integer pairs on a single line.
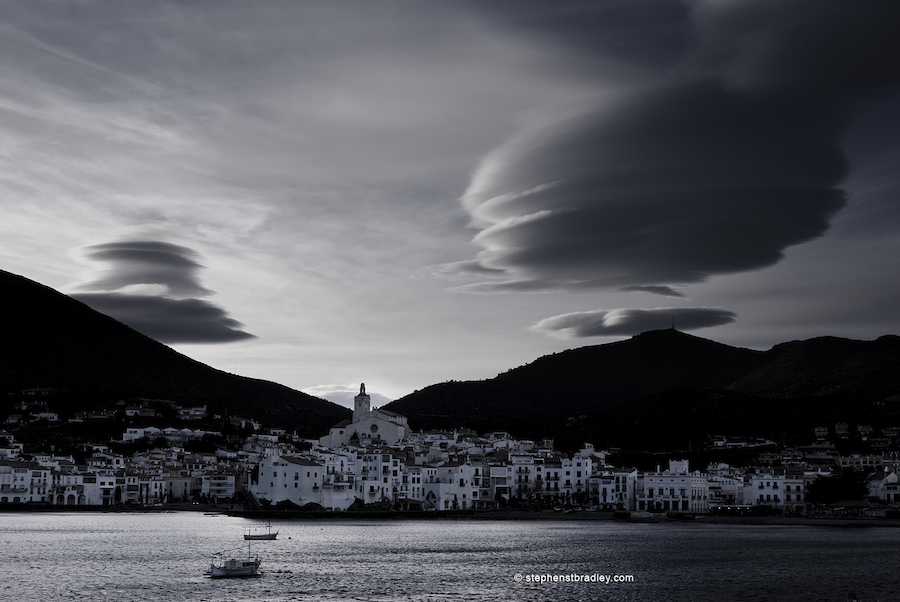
[[234, 568], [261, 536]]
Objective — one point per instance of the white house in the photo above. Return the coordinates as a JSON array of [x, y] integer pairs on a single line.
[[454, 487], [22, 482], [765, 490], [289, 478], [614, 489], [222, 484], [135, 433], [675, 490]]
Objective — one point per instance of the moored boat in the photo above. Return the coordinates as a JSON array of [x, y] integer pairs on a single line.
[[262, 536], [235, 567]]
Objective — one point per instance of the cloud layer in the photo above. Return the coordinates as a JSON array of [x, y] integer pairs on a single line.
[[617, 322], [151, 286], [733, 158]]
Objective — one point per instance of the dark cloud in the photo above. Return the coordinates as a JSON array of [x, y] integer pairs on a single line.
[[168, 320], [665, 291], [618, 322], [823, 47], [650, 33], [735, 157], [146, 262], [151, 286]]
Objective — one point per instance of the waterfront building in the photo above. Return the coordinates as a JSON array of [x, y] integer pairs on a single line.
[[674, 490], [575, 474], [378, 476], [294, 479], [411, 487], [222, 484], [181, 487], [521, 475], [22, 482], [68, 490], [454, 487], [795, 492], [725, 490], [613, 489], [550, 480], [765, 490]]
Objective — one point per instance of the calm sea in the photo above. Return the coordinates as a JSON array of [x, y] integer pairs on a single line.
[[127, 557]]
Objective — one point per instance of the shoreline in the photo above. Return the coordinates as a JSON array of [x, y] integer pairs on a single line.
[[497, 515]]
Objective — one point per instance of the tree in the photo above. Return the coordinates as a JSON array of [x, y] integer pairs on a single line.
[[848, 485]]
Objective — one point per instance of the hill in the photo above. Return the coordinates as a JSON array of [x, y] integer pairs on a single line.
[[664, 388], [51, 340]]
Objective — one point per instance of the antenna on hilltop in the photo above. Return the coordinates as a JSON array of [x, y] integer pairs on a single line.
[[673, 321]]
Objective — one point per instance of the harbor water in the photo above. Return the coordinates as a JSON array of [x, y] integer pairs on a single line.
[[162, 556]]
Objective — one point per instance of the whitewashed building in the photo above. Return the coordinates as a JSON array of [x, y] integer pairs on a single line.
[[289, 478], [22, 482], [765, 490], [614, 489], [222, 484], [454, 487], [674, 490]]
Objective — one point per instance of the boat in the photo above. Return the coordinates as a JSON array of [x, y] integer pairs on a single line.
[[234, 567], [261, 536]]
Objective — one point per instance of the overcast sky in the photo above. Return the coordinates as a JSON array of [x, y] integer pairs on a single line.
[[403, 193]]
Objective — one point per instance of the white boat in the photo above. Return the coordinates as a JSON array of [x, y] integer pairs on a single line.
[[235, 567], [258, 536]]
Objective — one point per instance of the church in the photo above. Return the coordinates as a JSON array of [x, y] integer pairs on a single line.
[[367, 426]]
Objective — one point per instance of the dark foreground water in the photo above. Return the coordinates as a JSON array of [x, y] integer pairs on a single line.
[[127, 557]]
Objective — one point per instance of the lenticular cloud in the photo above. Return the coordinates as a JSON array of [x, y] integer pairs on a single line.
[[152, 286], [614, 322], [668, 187], [715, 169]]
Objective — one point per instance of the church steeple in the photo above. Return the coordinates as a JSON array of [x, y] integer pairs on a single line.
[[361, 403]]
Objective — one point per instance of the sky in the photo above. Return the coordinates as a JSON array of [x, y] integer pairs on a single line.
[[403, 193]]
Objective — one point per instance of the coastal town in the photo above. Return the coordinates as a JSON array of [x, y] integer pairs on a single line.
[[374, 461]]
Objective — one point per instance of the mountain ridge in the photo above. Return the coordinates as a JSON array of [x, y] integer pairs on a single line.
[[53, 340], [644, 387], [594, 390]]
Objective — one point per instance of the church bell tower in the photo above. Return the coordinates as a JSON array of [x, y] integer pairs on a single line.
[[362, 403]]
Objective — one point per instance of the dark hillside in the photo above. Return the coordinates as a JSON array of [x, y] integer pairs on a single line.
[[556, 389], [827, 366], [51, 340], [665, 388]]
